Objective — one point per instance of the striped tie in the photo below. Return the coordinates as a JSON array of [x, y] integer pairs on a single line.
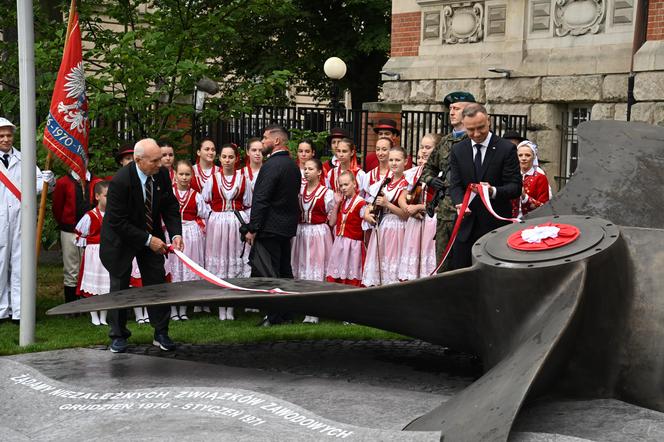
[[148, 204]]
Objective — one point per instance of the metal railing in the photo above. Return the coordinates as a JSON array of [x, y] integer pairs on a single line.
[[239, 129]]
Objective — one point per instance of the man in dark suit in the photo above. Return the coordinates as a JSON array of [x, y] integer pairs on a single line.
[[482, 158], [139, 198], [275, 211]]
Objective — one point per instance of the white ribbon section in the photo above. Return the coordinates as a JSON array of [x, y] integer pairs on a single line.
[[486, 199], [538, 233], [214, 279]]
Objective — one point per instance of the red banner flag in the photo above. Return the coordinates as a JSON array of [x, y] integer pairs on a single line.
[[68, 127]]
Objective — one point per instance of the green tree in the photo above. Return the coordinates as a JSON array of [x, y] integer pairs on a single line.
[[302, 34], [144, 58]]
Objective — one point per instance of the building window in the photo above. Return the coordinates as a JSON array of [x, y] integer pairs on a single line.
[[496, 20], [569, 149], [540, 16]]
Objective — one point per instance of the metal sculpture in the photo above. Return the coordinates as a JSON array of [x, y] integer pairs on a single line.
[[585, 318]]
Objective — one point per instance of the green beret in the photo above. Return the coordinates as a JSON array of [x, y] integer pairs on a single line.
[[456, 97]]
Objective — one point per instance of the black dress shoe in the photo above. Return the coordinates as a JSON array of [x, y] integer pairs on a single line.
[[163, 342], [118, 345]]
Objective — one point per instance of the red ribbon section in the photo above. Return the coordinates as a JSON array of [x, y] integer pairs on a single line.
[[209, 277], [566, 235]]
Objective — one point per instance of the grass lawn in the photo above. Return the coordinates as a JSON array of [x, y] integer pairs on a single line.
[[57, 332]]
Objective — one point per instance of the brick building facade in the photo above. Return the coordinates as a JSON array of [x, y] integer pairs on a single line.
[[560, 62]]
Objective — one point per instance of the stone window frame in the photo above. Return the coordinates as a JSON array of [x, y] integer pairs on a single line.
[[426, 7], [610, 27], [488, 4], [541, 34]]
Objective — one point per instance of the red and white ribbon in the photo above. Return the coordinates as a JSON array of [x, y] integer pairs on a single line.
[[486, 199], [209, 277], [467, 198]]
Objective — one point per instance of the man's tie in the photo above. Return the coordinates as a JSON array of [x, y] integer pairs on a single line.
[[478, 162], [5, 159], [148, 204]]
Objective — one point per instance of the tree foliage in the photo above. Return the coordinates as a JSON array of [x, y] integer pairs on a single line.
[[144, 58]]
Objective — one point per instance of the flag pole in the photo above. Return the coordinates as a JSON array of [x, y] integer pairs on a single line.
[[26, 59], [49, 155]]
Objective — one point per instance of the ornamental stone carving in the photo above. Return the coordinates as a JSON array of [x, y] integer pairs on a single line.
[[463, 22], [578, 17]]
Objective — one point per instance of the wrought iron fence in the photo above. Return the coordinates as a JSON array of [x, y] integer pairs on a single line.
[[569, 146], [239, 129]]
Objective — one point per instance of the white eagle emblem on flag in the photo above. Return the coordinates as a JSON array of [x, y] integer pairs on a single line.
[[75, 113]]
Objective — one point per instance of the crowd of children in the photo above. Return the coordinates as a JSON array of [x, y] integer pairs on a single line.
[[356, 228]]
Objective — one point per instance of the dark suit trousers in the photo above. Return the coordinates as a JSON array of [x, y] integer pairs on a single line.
[[279, 248], [151, 266], [462, 250]]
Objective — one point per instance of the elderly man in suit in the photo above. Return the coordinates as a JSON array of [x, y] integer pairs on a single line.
[[139, 198], [481, 159]]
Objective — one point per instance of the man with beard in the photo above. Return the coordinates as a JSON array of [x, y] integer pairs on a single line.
[[274, 213]]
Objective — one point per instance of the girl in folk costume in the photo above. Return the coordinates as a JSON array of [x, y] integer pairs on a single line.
[[347, 157], [385, 245], [254, 161], [383, 146], [347, 255], [227, 191], [204, 168], [168, 158], [193, 211], [306, 152], [419, 252], [536, 189], [93, 278], [313, 240]]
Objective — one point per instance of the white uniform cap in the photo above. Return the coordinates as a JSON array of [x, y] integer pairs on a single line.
[[5, 122]]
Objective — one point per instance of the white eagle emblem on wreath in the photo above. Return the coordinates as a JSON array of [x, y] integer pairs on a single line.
[[75, 113]]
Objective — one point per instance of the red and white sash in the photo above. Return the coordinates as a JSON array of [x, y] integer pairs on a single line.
[[4, 179]]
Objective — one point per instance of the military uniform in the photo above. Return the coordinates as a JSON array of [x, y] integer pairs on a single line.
[[445, 212]]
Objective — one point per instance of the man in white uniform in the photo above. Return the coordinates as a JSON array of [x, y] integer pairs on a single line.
[[10, 222]]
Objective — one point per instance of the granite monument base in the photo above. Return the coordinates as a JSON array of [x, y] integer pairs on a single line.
[[81, 394]]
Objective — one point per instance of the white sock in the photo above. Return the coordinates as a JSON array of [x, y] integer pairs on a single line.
[[183, 310], [174, 311], [102, 317], [95, 318], [138, 312], [222, 313], [230, 313]]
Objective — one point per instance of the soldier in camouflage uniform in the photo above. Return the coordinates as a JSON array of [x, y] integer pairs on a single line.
[[438, 163]]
